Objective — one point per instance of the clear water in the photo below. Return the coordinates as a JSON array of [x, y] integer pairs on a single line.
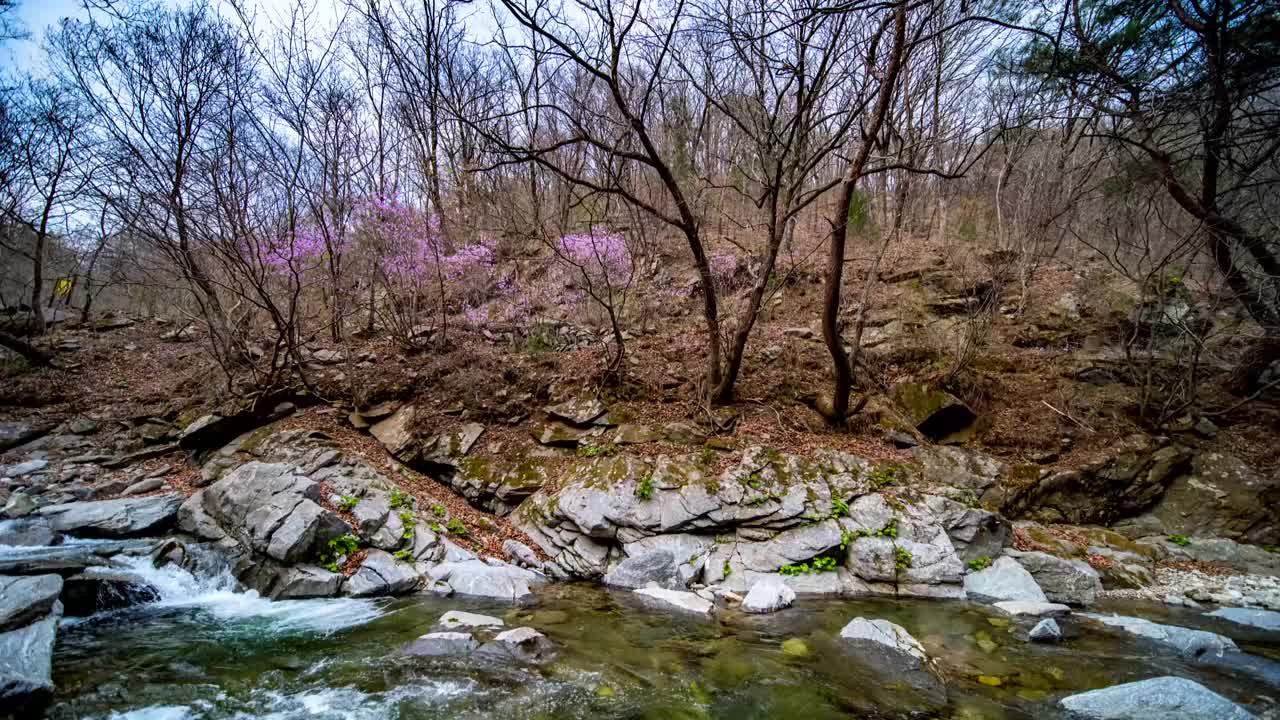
[[204, 651]]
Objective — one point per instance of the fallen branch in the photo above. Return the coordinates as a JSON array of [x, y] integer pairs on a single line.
[[1065, 415], [33, 356]]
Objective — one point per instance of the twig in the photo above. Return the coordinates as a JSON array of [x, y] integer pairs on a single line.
[[1065, 415]]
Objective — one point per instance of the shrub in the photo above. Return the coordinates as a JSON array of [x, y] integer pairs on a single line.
[[902, 558], [437, 510], [401, 499], [456, 527], [1180, 540], [347, 503]]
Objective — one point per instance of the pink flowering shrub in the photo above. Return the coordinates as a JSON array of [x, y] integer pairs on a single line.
[[602, 258], [724, 271]]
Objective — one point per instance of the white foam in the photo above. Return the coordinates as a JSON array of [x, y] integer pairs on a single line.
[[155, 712], [215, 595]]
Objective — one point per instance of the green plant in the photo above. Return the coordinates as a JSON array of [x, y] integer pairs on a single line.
[[824, 564], [347, 503], [1271, 548], [980, 563], [340, 547], [707, 456], [456, 527], [727, 570], [592, 450], [902, 558], [1180, 540], [644, 490], [801, 569], [401, 499], [884, 474], [438, 510], [435, 528], [756, 501], [755, 480], [405, 555], [848, 537], [839, 508], [890, 530]]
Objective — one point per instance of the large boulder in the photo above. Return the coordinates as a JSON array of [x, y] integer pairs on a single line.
[[480, 579], [13, 434], [1004, 580], [937, 414], [403, 439], [102, 590], [657, 567], [1073, 582], [974, 532], [965, 471], [26, 666], [24, 599], [305, 581], [1221, 496], [522, 644], [270, 508], [1162, 698], [381, 574], [768, 595], [122, 518], [890, 649], [1104, 492]]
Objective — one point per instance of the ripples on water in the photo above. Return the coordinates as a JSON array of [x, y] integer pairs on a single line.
[[202, 651]]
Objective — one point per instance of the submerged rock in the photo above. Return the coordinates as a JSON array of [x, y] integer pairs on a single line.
[[885, 645], [1187, 642], [676, 599], [1261, 619], [1162, 698], [123, 518], [457, 619], [442, 644], [1035, 609], [1046, 630], [522, 644], [101, 590], [1004, 580]]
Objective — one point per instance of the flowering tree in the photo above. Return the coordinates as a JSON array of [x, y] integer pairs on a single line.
[[600, 269], [405, 244]]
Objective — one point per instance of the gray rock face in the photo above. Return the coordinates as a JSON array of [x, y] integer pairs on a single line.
[[1187, 642], [13, 434], [885, 645], [1162, 698], [124, 518], [675, 600], [974, 532], [306, 581], [381, 574], [1046, 630], [1064, 581], [24, 599], [521, 554], [768, 596], [443, 644], [67, 559], [1004, 580], [27, 531], [657, 567], [480, 579], [269, 508], [1261, 619], [26, 666], [25, 468]]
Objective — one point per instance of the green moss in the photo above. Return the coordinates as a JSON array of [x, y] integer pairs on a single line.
[[256, 438], [885, 474]]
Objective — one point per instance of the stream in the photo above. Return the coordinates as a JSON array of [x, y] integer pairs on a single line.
[[202, 650]]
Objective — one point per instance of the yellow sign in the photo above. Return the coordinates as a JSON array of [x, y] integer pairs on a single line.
[[62, 288]]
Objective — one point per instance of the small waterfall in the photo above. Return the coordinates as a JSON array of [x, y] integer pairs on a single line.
[[214, 595]]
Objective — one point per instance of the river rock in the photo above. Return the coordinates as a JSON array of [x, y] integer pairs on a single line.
[[460, 620], [974, 532], [26, 666], [1004, 580], [1262, 619], [655, 568], [480, 579], [102, 589], [442, 644], [306, 581], [19, 505], [522, 644], [885, 645], [521, 554], [1034, 609], [1063, 581], [23, 469], [1162, 698], [381, 574], [13, 434], [1187, 642], [24, 599], [123, 518], [27, 531], [578, 411], [676, 599], [1046, 630], [766, 596]]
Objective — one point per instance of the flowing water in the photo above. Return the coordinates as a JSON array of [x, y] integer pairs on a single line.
[[204, 651]]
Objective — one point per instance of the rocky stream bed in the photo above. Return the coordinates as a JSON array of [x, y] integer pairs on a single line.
[[294, 580]]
